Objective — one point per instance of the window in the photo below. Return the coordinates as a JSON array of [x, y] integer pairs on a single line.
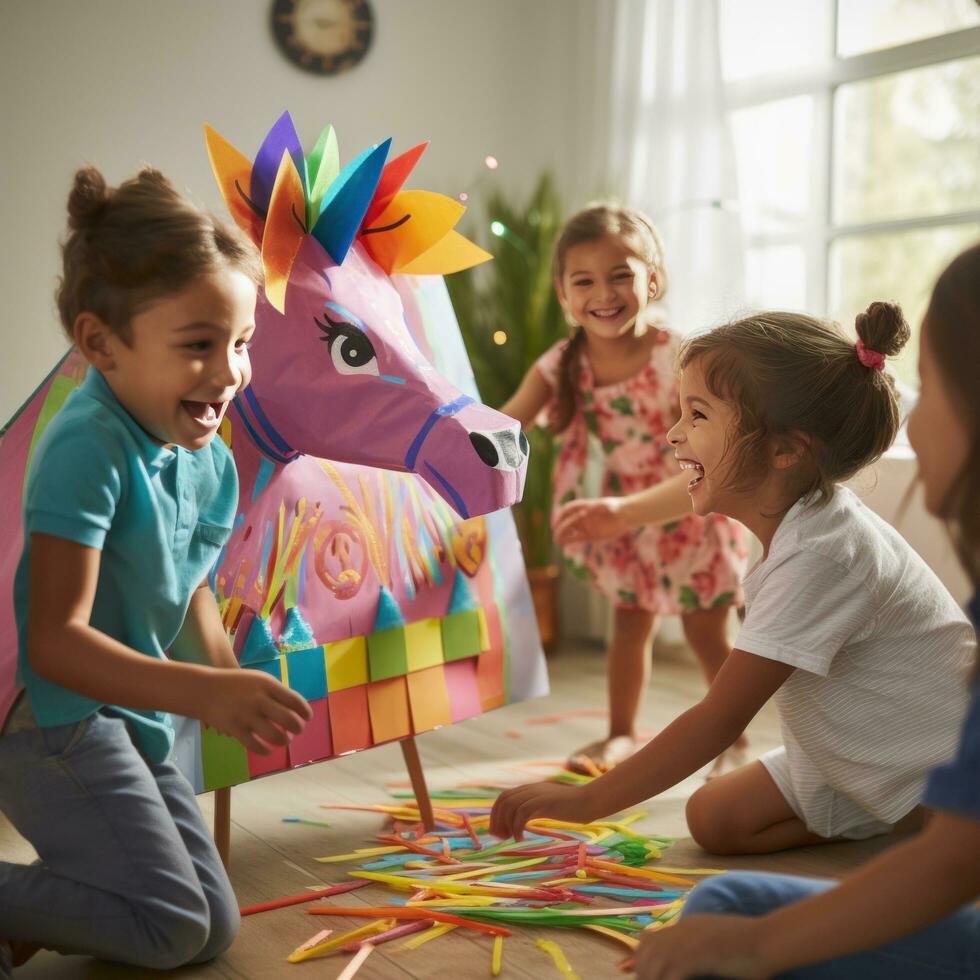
[[857, 142]]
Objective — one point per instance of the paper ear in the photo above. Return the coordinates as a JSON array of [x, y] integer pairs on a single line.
[[413, 223], [452, 253], [284, 231], [233, 172]]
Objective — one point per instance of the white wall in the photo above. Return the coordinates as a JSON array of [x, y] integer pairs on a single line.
[[121, 82], [883, 487]]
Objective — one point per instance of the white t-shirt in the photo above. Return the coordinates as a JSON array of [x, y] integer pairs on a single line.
[[881, 650]]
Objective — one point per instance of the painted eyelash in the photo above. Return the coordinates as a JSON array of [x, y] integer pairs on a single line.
[[333, 328]]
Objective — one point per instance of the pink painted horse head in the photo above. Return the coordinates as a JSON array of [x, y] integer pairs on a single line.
[[336, 371]]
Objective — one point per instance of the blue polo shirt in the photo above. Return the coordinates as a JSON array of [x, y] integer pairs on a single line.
[[955, 786], [158, 515]]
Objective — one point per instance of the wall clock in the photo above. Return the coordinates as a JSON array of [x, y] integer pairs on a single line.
[[324, 37]]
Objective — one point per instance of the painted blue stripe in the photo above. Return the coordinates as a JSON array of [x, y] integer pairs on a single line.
[[443, 411], [345, 314], [266, 469], [270, 429], [451, 490], [258, 440]]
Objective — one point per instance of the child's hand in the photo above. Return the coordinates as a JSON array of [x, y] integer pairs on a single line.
[[517, 806], [252, 706], [703, 945], [589, 520]]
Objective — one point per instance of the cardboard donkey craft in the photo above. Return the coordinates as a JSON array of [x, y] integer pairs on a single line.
[[366, 568]]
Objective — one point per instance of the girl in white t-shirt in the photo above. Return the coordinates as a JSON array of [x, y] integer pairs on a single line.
[[858, 641]]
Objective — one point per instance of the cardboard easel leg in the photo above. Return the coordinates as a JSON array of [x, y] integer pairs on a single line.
[[414, 765], [222, 823]]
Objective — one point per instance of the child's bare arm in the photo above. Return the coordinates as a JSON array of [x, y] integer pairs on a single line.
[[743, 685], [202, 638], [608, 517], [64, 648], [531, 396]]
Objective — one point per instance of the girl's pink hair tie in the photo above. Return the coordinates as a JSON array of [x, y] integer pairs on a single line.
[[870, 358]]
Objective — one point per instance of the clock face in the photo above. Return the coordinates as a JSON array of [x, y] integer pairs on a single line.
[[325, 37]]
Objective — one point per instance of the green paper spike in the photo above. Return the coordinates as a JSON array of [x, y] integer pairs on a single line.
[[323, 168]]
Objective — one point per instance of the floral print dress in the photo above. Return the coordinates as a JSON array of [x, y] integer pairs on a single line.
[[691, 564]]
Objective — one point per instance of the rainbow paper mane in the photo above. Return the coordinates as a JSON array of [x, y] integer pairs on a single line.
[[284, 196]]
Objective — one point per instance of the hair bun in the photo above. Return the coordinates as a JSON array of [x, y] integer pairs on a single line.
[[87, 200], [149, 178], [883, 328]]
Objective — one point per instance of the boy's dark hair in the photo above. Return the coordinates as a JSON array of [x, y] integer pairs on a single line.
[[136, 242]]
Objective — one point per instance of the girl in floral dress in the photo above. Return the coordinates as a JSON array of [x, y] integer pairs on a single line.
[[614, 380]]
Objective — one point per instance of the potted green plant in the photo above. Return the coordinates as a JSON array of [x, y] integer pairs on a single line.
[[509, 316]]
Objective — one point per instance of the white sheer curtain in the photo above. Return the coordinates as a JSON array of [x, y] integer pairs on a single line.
[[670, 150]]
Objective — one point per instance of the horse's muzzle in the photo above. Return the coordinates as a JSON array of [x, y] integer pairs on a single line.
[[504, 449]]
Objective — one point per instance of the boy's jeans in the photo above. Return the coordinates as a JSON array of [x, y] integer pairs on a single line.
[[128, 870]]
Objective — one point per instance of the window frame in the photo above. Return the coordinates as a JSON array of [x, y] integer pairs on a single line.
[[820, 82]]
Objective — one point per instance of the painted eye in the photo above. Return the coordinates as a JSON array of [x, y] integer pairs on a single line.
[[352, 353]]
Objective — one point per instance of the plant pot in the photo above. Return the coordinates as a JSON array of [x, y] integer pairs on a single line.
[[543, 580]]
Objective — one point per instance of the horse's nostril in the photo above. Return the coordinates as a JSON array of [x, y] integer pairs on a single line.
[[524, 444], [485, 449]]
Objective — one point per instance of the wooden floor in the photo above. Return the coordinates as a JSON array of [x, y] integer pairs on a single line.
[[271, 859]]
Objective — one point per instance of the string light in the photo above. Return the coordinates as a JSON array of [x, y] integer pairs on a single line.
[[491, 163], [500, 230], [499, 338]]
